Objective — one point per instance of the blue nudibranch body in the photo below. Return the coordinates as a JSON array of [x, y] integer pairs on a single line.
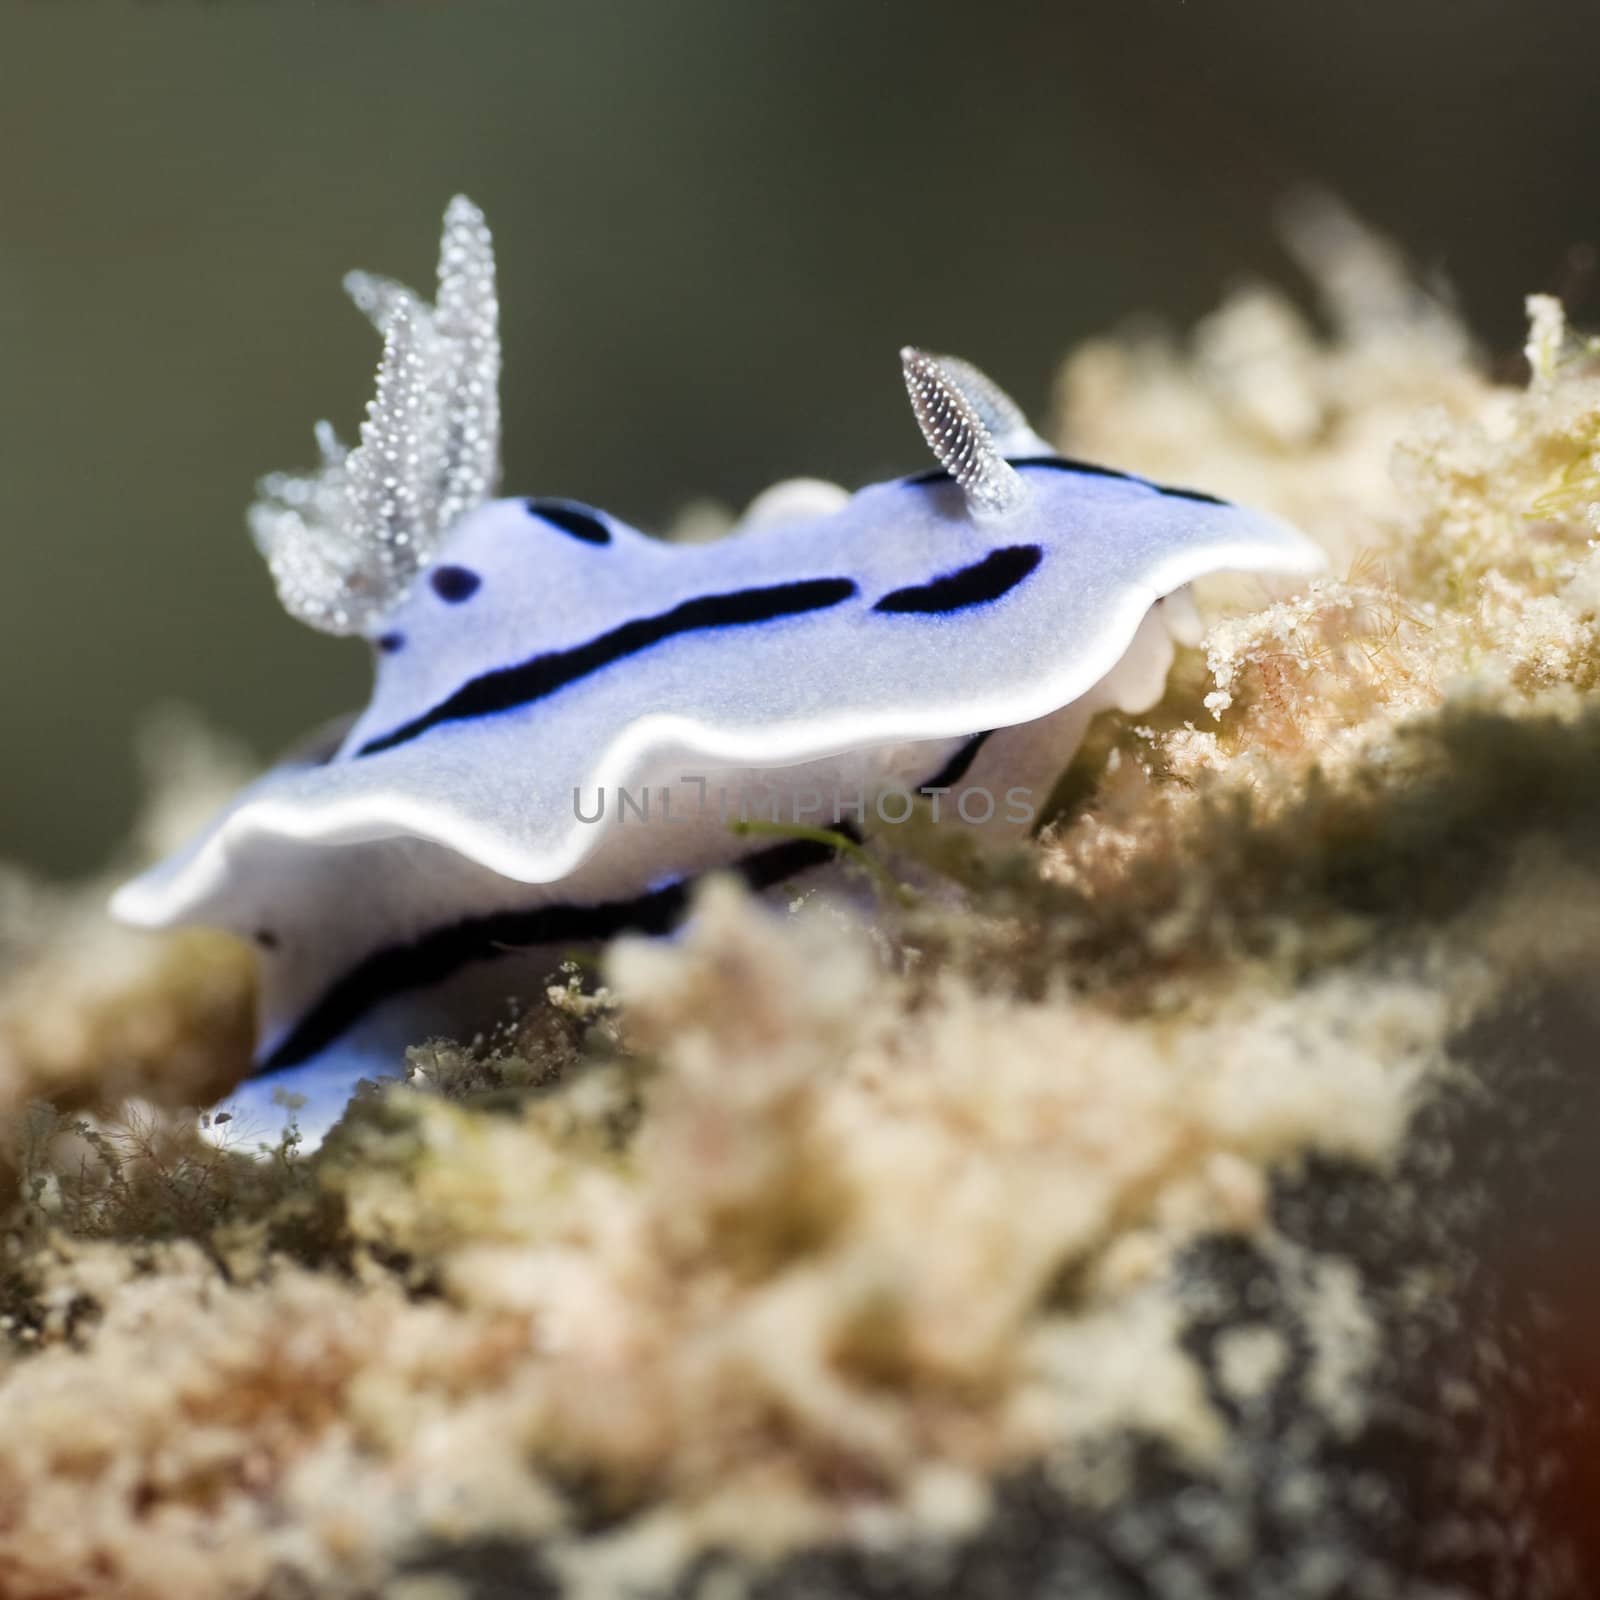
[[539, 662]]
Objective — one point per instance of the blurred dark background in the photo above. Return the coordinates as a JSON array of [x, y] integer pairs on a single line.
[[717, 220]]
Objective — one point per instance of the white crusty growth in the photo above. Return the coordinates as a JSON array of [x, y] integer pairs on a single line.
[[345, 543]]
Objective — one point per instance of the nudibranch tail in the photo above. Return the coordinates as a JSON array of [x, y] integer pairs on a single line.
[[959, 436]]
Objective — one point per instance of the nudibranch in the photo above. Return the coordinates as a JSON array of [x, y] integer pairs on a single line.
[[563, 705]]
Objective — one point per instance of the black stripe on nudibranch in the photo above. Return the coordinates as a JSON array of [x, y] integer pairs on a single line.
[[957, 767], [1088, 469], [509, 688], [455, 584], [998, 573], [573, 517], [441, 954], [1197, 495], [1063, 464]]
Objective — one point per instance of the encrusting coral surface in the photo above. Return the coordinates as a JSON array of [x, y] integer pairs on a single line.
[[1132, 1184]]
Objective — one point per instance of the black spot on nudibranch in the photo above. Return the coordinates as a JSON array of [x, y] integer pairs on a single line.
[[572, 517], [389, 643], [455, 584], [998, 573], [266, 938], [510, 687]]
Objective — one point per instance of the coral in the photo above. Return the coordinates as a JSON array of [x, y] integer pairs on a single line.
[[804, 1232]]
